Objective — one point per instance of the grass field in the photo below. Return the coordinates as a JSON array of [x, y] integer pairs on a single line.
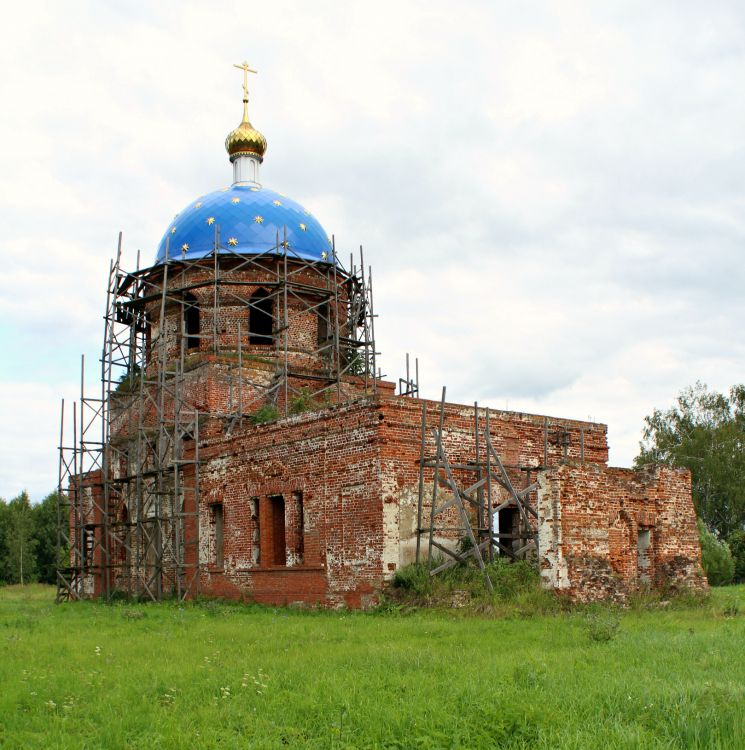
[[210, 675]]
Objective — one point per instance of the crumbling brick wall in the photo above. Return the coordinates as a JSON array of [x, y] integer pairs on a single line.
[[322, 507], [325, 466], [524, 442], [356, 469], [605, 532]]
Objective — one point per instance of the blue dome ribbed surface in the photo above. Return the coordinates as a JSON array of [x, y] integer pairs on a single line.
[[248, 218]]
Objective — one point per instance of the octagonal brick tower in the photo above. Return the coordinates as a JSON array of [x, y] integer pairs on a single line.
[[246, 277]]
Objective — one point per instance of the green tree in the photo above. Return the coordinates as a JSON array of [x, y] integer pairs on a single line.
[[716, 557], [704, 432], [45, 538], [736, 543], [4, 540], [21, 542]]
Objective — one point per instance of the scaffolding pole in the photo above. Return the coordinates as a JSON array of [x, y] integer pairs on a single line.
[[466, 496], [129, 505]]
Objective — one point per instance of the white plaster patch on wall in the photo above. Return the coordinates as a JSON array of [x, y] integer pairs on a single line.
[[554, 569], [391, 515], [408, 501], [88, 587], [204, 537], [217, 467]]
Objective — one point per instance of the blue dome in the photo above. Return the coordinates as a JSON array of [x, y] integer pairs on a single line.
[[249, 219]]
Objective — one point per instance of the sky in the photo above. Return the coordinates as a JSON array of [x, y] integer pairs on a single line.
[[551, 194]]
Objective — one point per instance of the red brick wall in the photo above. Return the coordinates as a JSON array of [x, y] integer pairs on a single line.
[[332, 458], [591, 517], [518, 439], [356, 468]]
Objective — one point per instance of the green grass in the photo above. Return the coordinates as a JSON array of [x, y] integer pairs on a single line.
[[211, 675]]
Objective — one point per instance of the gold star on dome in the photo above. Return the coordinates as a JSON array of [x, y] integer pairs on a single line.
[[211, 220], [232, 242], [235, 200], [324, 255], [185, 247], [277, 203], [259, 219], [173, 230], [285, 243], [198, 204], [303, 227], [254, 189]]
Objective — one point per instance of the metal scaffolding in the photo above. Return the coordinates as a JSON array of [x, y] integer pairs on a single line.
[[477, 490], [129, 502], [409, 386]]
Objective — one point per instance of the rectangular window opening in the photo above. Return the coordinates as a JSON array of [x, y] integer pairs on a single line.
[[218, 559], [299, 551], [89, 531], [644, 542], [278, 547], [261, 318], [256, 535]]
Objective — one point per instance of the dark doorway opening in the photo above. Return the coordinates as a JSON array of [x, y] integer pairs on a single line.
[[261, 318], [279, 549], [509, 526]]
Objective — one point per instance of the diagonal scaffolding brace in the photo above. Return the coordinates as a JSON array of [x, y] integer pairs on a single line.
[[468, 508]]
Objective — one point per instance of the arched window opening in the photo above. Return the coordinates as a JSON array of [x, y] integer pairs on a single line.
[[191, 321], [261, 318]]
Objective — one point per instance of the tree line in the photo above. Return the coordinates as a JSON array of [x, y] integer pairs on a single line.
[[28, 540], [705, 432]]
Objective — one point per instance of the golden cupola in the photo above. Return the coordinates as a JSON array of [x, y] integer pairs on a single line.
[[245, 139], [245, 142]]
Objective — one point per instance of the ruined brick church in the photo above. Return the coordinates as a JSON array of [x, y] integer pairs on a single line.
[[243, 444]]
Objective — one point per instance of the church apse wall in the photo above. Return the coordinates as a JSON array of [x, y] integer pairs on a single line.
[[605, 533]]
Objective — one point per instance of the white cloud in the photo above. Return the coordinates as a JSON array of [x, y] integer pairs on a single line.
[[551, 194], [29, 447]]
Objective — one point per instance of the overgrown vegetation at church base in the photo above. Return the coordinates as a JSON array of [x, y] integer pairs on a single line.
[[517, 589], [216, 675]]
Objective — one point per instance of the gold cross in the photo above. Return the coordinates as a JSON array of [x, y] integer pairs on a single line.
[[246, 70]]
